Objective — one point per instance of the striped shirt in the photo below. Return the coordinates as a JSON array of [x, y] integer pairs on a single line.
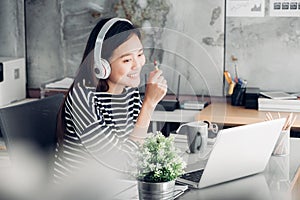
[[97, 127]]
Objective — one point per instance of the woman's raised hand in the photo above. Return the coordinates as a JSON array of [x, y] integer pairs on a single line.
[[156, 88]]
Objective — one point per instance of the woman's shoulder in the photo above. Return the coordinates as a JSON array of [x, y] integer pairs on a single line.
[[128, 91], [81, 86], [81, 91]]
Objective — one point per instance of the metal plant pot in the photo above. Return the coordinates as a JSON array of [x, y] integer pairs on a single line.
[[156, 191]]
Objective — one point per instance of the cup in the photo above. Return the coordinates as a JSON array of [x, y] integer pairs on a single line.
[[279, 178], [282, 146], [197, 134]]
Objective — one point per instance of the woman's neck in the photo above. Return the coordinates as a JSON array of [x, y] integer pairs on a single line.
[[116, 89]]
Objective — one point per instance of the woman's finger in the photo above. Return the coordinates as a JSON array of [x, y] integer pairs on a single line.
[[160, 79], [155, 75]]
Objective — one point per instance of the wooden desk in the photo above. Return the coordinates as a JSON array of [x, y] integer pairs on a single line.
[[279, 180], [225, 113]]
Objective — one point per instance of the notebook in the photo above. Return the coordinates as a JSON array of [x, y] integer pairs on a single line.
[[238, 152]]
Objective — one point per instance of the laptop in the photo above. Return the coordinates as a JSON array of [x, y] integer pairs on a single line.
[[238, 152]]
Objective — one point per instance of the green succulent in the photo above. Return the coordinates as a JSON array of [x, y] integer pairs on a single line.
[[158, 159]]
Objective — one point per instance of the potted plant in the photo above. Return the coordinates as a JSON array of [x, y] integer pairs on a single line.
[[158, 166]]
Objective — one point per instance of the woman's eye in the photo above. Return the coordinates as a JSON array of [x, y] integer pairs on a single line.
[[126, 60], [141, 54]]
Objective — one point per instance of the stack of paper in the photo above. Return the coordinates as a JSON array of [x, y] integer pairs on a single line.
[[279, 105], [278, 95], [64, 83], [180, 141], [194, 105]]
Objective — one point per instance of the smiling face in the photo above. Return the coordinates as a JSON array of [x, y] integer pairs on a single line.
[[126, 64]]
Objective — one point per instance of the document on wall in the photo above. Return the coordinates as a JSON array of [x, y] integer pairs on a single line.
[[284, 8], [245, 8]]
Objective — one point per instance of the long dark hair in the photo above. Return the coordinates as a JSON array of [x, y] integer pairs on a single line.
[[86, 70]]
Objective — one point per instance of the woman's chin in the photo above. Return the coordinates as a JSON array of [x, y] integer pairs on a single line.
[[134, 83]]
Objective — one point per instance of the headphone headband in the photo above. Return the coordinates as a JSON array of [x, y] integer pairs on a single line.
[[100, 38]]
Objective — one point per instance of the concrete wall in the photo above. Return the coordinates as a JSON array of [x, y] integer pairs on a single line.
[[187, 37], [44, 42], [57, 32], [194, 46], [12, 38], [267, 49]]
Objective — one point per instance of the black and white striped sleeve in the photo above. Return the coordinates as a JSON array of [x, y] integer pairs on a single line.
[[97, 137]]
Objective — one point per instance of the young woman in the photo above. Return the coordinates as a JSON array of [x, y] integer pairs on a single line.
[[103, 117]]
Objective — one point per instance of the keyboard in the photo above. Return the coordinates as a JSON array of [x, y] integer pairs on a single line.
[[193, 176]]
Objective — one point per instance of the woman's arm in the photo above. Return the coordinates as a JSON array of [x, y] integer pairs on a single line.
[[97, 137], [156, 89]]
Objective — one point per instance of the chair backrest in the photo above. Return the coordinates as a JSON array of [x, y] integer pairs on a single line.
[[31, 123]]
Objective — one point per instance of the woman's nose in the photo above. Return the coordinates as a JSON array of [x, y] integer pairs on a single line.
[[136, 63]]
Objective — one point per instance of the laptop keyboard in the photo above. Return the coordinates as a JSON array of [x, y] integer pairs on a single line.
[[193, 176]]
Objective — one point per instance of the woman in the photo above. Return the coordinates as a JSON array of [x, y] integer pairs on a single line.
[[104, 118]]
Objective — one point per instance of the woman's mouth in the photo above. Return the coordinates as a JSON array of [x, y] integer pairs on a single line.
[[133, 75]]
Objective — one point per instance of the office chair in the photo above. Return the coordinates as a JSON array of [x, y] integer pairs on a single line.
[[32, 124]]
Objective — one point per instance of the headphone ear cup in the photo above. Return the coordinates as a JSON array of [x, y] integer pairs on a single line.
[[103, 71]]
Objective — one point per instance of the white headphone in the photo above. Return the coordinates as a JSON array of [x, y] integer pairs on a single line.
[[101, 66]]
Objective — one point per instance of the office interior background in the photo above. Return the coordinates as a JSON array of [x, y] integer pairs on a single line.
[[191, 38]]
